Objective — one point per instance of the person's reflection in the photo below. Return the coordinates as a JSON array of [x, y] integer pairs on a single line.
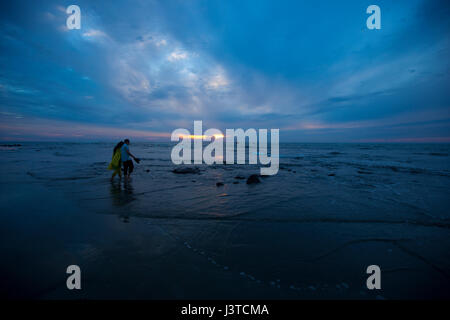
[[122, 196], [128, 188], [116, 190]]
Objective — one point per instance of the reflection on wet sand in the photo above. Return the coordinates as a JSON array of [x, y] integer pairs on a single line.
[[122, 196], [310, 231]]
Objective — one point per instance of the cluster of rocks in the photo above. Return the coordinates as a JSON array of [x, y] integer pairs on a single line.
[[186, 170], [288, 169], [252, 179]]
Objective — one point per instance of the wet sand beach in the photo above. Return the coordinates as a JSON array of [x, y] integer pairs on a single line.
[[308, 232]]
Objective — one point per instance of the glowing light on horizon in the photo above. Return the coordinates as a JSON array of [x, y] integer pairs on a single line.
[[201, 137]]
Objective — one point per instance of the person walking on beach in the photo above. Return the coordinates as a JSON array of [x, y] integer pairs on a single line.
[[127, 163], [116, 162]]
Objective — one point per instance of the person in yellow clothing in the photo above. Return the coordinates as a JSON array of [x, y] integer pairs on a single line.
[[116, 162]]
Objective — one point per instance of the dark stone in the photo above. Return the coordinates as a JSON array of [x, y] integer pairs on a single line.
[[235, 182], [219, 184], [147, 170], [254, 178], [239, 177], [186, 170], [332, 174]]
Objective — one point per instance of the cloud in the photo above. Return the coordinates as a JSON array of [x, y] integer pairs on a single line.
[[161, 42], [218, 81], [177, 55], [94, 33], [37, 128], [166, 63]]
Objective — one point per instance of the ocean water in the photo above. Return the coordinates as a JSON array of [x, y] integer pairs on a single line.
[[309, 231]]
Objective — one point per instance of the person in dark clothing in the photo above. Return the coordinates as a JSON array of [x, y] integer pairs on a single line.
[[126, 159]]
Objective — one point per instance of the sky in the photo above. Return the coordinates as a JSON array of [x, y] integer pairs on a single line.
[[141, 69]]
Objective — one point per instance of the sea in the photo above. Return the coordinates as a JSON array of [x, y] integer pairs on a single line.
[[308, 232]]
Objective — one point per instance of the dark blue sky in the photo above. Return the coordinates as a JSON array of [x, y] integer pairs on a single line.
[[144, 68]]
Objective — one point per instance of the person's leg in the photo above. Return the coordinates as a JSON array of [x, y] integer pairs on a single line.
[[126, 168], [117, 171], [130, 168]]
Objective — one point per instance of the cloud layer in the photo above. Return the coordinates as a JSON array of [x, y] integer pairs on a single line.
[[145, 68]]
